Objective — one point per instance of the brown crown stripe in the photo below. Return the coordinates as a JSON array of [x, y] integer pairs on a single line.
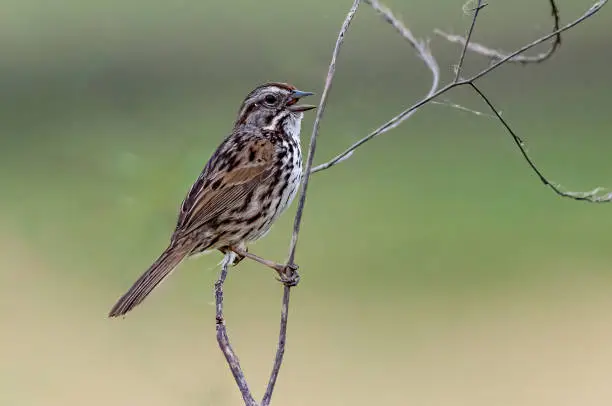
[[286, 86]]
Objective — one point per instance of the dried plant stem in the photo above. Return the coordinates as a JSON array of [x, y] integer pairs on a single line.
[[223, 339], [291, 267], [479, 6], [422, 51], [589, 196], [315, 130], [498, 55], [280, 351]]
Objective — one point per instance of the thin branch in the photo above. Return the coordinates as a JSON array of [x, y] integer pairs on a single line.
[[315, 130], [496, 55], [587, 14], [479, 6], [280, 351], [592, 196], [448, 103], [421, 47], [584, 196], [291, 268], [423, 52], [223, 339]]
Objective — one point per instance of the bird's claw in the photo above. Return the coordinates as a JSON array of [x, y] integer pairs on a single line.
[[288, 275]]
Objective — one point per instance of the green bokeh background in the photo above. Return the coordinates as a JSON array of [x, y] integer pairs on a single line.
[[436, 269]]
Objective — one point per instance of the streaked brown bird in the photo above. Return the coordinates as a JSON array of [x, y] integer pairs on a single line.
[[247, 183]]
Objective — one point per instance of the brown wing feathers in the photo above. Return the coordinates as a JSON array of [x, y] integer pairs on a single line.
[[229, 181]]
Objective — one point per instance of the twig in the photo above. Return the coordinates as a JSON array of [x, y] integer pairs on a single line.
[[498, 55], [448, 103], [591, 196], [315, 129], [302, 201], [280, 351], [423, 52], [479, 6], [223, 339]]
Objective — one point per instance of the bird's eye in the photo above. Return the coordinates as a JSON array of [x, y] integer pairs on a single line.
[[270, 99]]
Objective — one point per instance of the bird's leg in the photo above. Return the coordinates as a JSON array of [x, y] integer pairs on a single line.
[[238, 257], [288, 274], [245, 254]]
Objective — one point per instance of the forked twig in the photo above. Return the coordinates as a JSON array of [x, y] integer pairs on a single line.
[[593, 196], [498, 55], [423, 52]]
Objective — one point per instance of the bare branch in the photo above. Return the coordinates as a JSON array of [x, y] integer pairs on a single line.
[[448, 103], [498, 55], [423, 52], [587, 14], [590, 196], [223, 339], [593, 196], [291, 267], [315, 130], [479, 6], [280, 351]]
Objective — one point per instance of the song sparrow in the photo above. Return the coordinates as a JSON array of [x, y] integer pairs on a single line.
[[247, 183]]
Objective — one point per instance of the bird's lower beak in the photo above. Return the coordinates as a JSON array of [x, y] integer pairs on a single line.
[[297, 94]]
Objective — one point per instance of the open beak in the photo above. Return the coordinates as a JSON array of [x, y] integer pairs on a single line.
[[297, 95]]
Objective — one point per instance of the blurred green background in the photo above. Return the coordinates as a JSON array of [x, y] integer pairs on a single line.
[[436, 269]]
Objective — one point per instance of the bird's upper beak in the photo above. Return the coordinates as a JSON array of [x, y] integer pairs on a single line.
[[295, 96]]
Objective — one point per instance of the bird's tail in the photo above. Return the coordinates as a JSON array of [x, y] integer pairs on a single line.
[[161, 268]]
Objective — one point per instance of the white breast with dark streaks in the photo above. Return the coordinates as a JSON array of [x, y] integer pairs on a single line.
[[286, 190], [293, 158]]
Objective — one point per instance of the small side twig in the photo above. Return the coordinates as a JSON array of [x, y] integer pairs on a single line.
[[476, 10], [223, 339], [315, 129], [592, 196], [448, 103], [496, 55]]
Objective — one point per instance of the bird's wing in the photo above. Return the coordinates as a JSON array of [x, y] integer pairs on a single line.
[[240, 164]]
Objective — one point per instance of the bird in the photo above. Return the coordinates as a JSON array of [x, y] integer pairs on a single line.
[[248, 182]]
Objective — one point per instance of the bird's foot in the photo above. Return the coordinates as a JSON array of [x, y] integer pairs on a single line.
[[288, 275]]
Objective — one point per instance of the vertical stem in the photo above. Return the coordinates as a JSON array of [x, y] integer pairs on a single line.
[[467, 40], [223, 339], [280, 351], [315, 129]]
